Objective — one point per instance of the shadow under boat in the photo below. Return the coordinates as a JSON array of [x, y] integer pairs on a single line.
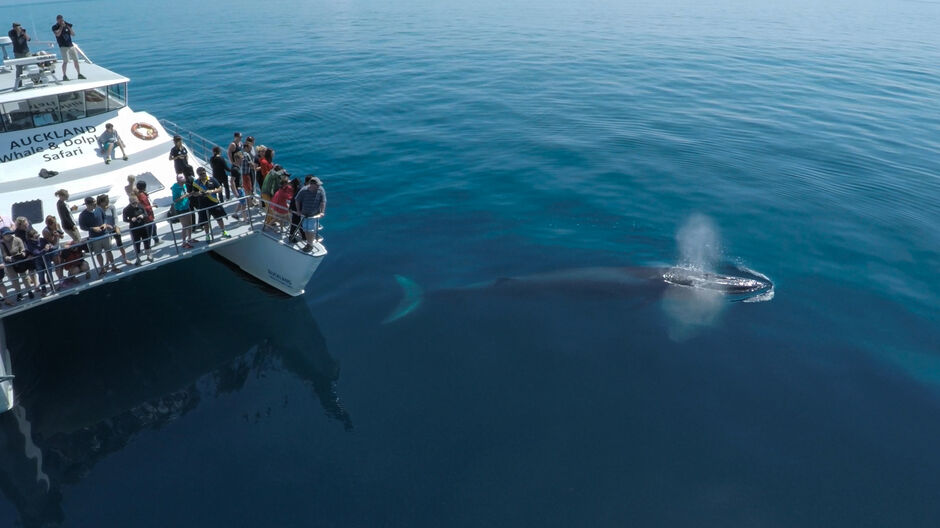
[[89, 380]]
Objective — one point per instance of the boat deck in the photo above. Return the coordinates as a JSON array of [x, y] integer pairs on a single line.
[[95, 76], [168, 251]]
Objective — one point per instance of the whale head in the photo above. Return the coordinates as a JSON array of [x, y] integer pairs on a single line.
[[744, 285]]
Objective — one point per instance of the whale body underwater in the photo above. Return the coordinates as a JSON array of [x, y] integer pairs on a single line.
[[737, 284]]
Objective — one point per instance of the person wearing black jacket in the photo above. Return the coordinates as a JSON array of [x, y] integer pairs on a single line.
[[136, 216], [220, 170]]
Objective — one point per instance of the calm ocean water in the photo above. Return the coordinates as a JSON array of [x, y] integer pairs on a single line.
[[461, 142]]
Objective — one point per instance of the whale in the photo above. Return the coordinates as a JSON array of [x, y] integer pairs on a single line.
[[735, 283]]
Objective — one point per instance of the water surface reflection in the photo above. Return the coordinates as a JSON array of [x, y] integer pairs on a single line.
[[93, 380]]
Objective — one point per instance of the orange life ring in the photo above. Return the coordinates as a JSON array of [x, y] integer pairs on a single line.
[[144, 131]]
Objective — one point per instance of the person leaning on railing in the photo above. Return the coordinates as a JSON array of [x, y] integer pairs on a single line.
[[295, 217], [281, 200], [311, 202], [28, 266], [111, 218], [36, 248], [136, 217], [99, 235], [181, 210], [145, 203], [53, 234], [272, 182], [14, 253]]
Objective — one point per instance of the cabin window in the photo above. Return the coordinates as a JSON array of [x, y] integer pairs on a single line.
[[72, 106], [16, 116], [117, 96], [52, 109], [96, 101], [45, 110]]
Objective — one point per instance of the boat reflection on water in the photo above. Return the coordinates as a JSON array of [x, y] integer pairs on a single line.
[[149, 359]]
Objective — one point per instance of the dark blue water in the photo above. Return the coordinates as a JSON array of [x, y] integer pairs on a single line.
[[461, 142]]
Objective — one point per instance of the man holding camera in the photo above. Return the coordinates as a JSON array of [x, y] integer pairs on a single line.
[[63, 35], [20, 44], [20, 41]]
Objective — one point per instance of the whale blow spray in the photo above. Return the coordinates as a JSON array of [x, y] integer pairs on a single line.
[[698, 242], [691, 309]]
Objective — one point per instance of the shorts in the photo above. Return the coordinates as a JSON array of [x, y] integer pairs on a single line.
[[174, 214], [96, 245], [23, 265], [309, 224], [68, 53], [215, 210]]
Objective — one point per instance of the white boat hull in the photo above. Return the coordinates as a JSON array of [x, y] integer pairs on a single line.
[[272, 261], [6, 369]]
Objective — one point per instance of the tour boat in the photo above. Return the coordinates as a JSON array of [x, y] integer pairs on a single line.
[[48, 141]]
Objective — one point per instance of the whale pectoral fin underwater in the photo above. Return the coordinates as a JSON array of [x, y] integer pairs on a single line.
[[413, 296]]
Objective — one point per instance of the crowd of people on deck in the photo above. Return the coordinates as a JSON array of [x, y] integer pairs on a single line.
[[245, 172]]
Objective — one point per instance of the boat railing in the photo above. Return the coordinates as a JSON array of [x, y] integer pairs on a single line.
[[199, 146], [69, 262], [282, 223]]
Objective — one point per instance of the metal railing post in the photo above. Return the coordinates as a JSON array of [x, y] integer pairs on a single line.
[[251, 224], [50, 272], [94, 261], [173, 235]]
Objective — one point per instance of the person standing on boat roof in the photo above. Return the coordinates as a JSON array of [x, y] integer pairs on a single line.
[[20, 41], [99, 234], [180, 157], [106, 142], [65, 215], [210, 191], [311, 202], [20, 44], [220, 170], [63, 35]]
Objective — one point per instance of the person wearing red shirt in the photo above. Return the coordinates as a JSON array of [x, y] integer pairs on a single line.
[[144, 200], [282, 198]]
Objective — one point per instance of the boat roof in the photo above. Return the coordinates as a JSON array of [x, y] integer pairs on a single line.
[[96, 76]]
